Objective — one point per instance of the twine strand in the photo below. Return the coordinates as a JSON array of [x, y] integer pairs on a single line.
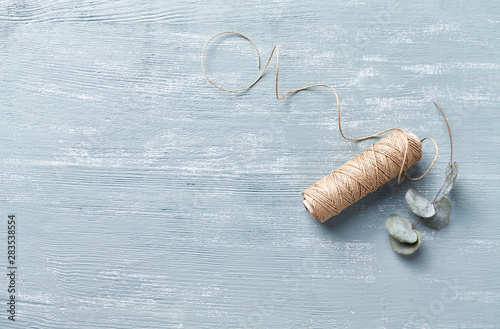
[[390, 157]]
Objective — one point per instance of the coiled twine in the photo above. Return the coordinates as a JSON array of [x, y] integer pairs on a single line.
[[391, 156]]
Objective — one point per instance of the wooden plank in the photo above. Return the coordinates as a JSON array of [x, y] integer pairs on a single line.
[[147, 198]]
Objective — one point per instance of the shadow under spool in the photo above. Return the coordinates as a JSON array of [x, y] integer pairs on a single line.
[[363, 174]]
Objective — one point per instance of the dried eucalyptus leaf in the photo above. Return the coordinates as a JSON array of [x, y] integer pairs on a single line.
[[419, 204], [451, 176], [406, 248], [400, 228], [442, 216]]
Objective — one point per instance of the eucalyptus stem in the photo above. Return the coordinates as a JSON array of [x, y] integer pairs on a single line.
[[449, 130], [451, 156]]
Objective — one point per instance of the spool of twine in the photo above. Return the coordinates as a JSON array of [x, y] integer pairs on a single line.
[[391, 156]]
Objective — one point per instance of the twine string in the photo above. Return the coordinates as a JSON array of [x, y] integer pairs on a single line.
[[390, 157], [363, 174]]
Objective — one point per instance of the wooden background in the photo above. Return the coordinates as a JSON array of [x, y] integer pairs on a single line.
[[146, 198]]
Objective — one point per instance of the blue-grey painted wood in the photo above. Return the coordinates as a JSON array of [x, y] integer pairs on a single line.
[[147, 198]]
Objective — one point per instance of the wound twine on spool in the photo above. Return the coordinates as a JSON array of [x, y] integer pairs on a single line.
[[363, 174], [390, 157]]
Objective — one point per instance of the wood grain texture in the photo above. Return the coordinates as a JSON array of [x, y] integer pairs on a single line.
[[149, 199]]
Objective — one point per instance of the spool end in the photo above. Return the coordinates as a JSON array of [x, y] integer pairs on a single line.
[[309, 208], [417, 140]]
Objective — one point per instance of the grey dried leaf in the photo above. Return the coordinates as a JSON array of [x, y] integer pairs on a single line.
[[451, 176], [442, 216], [406, 248], [419, 204], [400, 228]]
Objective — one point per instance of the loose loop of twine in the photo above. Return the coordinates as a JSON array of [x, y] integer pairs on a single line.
[[390, 157]]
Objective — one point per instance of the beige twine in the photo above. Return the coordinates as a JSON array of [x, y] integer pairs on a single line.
[[363, 174], [390, 157]]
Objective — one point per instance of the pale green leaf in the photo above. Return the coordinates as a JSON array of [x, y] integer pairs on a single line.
[[406, 248], [451, 176], [400, 228], [418, 203], [442, 216]]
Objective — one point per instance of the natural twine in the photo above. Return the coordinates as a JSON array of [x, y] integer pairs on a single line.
[[363, 174], [390, 157]]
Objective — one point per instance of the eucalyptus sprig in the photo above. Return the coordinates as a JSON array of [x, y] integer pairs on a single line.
[[404, 238]]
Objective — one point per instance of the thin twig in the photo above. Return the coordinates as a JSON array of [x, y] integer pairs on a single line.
[[417, 222], [451, 147], [451, 155], [449, 131]]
